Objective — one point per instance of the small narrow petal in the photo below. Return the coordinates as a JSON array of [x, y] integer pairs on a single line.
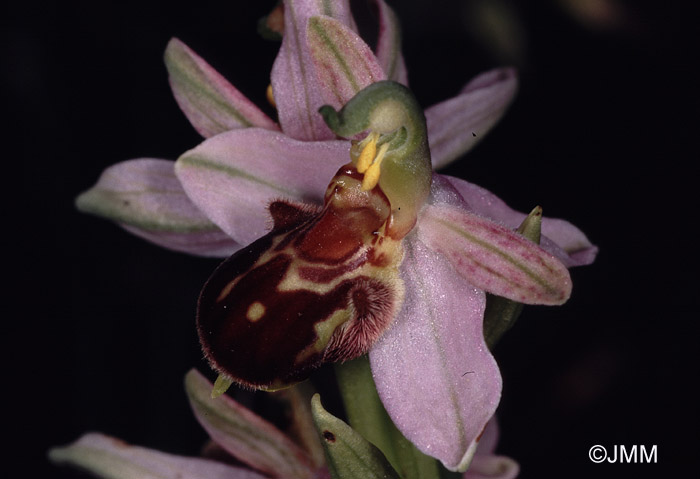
[[111, 458], [457, 124], [234, 176], [208, 100], [294, 82], [493, 257], [433, 371], [389, 44], [245, 435], [350, 456], [146, 198], [559, 237], [344, 62]]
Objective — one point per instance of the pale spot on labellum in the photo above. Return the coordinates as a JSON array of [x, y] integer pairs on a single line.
[[255, 311]]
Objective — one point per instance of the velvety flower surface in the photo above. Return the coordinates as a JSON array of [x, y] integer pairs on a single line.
[[433, 371]]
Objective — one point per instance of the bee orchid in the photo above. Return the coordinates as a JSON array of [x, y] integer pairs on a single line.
[[342, 241]]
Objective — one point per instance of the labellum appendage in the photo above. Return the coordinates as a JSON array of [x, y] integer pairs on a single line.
[[321, 286]]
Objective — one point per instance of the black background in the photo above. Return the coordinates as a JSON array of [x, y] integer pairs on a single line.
[[100, 327]]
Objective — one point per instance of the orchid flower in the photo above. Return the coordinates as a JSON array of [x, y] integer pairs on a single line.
[[336, 221]]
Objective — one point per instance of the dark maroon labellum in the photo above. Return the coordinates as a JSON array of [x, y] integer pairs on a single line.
[[322, 286]]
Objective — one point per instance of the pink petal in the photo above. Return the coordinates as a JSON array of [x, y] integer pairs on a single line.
[[561, 238], [344, 62], [488, 439], [244, 434], [105, 456], [433, 371], [487, 465], [492, 467], [457, 124], [208, 100], [146, 198], [294, 83], [232, 177], [389, 44], [213, 244], [494, 258]]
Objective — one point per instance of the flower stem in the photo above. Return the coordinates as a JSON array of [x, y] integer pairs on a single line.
[[366, 414]]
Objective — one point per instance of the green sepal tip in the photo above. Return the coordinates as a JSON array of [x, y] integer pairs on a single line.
[[349, 455], [221, 385]]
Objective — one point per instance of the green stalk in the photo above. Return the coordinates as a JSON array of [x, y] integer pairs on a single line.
[[367, 416]]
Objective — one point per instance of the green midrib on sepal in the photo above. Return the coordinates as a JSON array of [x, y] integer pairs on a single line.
[[501, 313], [234, 428], [179, 65], [197, 161], [99, 462], [488, 246], [233, 425], [116, 206], [328, 7], [347, 71], [306, 109]]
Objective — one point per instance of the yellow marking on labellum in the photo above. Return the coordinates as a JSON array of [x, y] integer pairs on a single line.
[[226, 290], [292, 280], [270, 96], [324, 330], [371, 177], [368, 152], [264, 258], [255, 311]]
